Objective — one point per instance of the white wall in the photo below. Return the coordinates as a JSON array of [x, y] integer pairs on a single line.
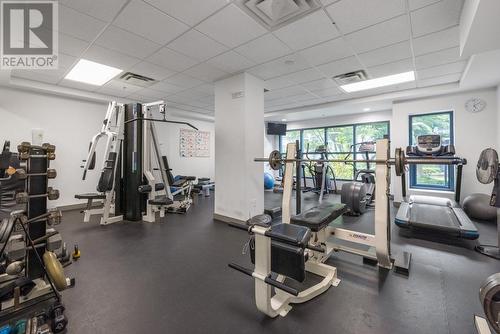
[[473, 133], [70, 124], [239, 127], [376, 116], [498, 116], [169, 143]]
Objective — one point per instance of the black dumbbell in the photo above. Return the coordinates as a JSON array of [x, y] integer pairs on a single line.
[[24, 150], [23, 197], [51, 174], [58, 319], [55, 217]]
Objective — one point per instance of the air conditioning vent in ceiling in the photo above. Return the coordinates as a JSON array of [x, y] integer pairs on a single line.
[[277, 13], [350, 77], [136, 79]]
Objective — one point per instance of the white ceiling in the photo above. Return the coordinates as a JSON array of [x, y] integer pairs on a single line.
[[188, 44]]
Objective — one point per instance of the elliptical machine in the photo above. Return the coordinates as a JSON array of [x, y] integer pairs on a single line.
[[360, 193], [319, 172]]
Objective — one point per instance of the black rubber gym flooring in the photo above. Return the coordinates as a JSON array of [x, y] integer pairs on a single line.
[[172, 277]]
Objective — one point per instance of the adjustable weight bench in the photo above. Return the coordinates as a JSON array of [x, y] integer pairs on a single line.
[[282, 249], [319, 217]]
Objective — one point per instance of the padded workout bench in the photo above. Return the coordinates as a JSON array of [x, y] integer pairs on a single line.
[[283, 249]]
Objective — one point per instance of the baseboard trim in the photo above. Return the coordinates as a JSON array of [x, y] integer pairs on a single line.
[[227, 219]]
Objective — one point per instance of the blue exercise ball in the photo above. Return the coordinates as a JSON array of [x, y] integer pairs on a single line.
[[268, 181]]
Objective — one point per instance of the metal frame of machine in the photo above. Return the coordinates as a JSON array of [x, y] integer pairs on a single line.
[[132, 152]]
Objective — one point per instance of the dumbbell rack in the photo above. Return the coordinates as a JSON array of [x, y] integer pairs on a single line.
[[35, 218]]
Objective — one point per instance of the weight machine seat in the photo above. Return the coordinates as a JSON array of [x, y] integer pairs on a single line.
[[294, 235], [160, 200], [318, 217], [90, 196], [181, 180]]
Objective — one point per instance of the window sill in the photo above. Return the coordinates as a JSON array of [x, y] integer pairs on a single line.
[[432, 191]]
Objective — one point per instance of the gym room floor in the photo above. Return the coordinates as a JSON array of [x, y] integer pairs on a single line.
[[172, 277]]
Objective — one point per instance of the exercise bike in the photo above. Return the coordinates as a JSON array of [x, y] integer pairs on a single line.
[[360, 194], [319, 172]]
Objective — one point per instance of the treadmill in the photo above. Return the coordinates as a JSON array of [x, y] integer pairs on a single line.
[[435, 215]]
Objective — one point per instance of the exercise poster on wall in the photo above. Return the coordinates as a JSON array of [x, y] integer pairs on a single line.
[[194, 143]]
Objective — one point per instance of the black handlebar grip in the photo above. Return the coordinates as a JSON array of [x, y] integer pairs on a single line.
[[244, 270], [281, 286]]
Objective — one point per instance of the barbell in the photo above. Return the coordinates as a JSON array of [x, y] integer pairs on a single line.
[[399, 161]]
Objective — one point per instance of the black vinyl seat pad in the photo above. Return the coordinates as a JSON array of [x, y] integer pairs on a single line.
[[160, 200], [318, 217], [90, 196]]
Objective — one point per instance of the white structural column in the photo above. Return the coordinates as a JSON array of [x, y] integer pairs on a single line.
[[239, 128]]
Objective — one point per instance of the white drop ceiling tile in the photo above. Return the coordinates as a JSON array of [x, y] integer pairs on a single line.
[[321, 84], [173, 60], [441, 70], [383, 34], [166, 87], [328, 92], [438, 58], [104, 10], [285, 92], [119, 87], [327, 52], [208, 89], [145, 20], [41, 76], [78, 85], [281, 66], [150, 70], [416, 4], [192, 94], [231, 26], [231, 62], [196, 45], [183, 80], [444, 39], [436, 17], [179, 99], [264, 48], [189, 11], [108, 57], [113, 92], [206, 72], [312, 29], [386, 54], [71, 45], [449, 78], [79, 25], [342, 66], [400, 66], [304, 97], [151, 94], [137, 98], [279, 82], [120, 40], [352, 15], [208, 100], [293, 79]]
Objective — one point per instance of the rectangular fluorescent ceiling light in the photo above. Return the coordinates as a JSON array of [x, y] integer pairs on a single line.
[[379, 82], [92, 73]]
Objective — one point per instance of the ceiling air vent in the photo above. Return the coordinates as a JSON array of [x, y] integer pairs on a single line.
[[277, 13], [350, 77], [136, 79]]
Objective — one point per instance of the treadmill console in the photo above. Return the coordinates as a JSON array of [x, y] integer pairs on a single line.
[[430, 145]]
